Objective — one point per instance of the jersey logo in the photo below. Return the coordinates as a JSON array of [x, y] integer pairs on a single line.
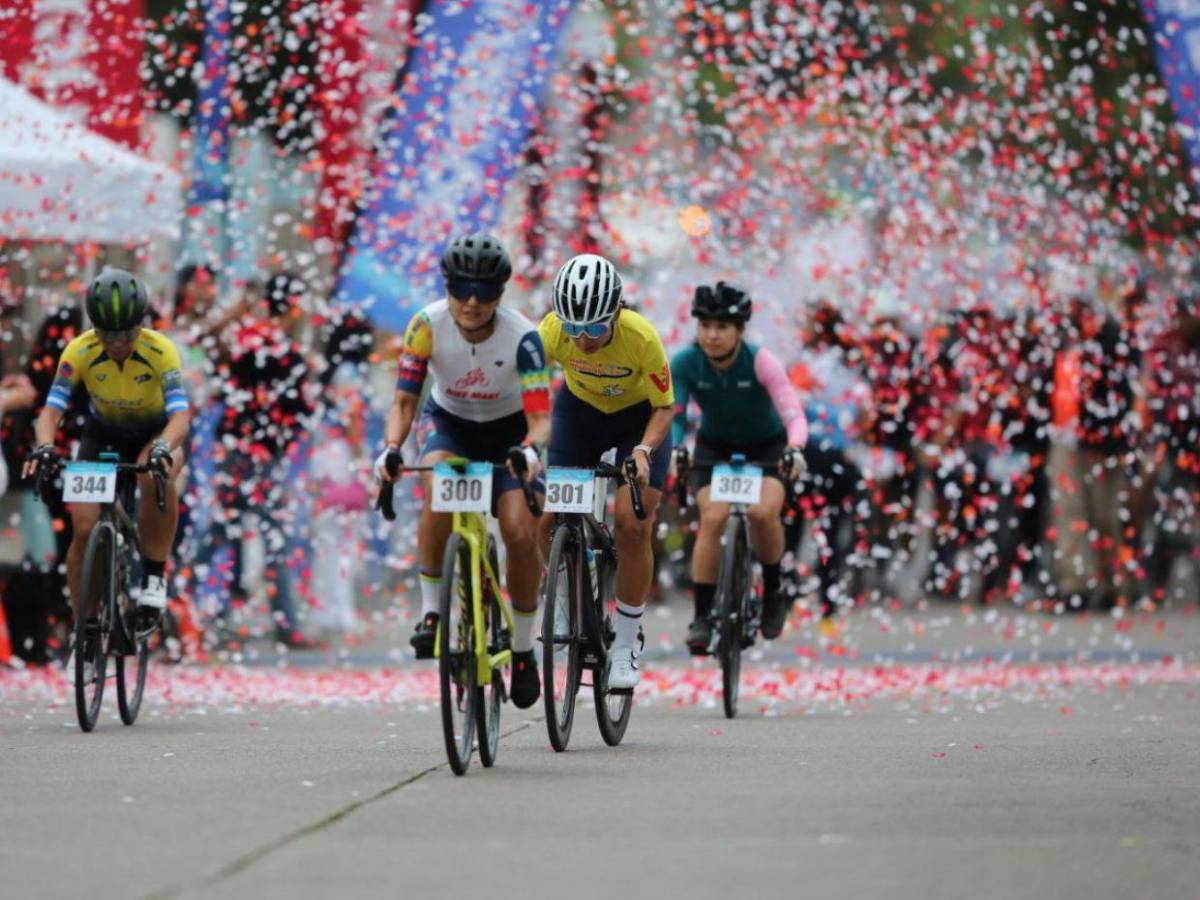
[[65, 370], [662, 380], [600, 370], [143, 378], [475, 377], [100, 376]]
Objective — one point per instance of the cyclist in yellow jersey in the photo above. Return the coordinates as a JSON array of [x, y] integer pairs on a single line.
[[138, 409], [617, 394]]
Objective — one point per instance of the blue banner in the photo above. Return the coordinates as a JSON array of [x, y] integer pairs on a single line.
[[213, 113], [1176, 27], [462, 113]]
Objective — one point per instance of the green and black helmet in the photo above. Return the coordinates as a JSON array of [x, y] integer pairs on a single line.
[[116, 301]]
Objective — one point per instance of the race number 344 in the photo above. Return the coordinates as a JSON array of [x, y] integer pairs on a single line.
[[89, 482]]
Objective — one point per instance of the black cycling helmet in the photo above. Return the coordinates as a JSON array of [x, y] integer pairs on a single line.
[[116, 301], [476, 257], [724, 302]]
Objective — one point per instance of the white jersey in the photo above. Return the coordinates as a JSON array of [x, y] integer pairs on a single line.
[[481, 381]]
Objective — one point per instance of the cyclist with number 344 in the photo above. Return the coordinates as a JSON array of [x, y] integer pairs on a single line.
[[748, 407], [490, 393], [617, 393], [137, 409]]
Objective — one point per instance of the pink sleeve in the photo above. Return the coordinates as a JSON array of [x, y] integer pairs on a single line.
[[771, 375]]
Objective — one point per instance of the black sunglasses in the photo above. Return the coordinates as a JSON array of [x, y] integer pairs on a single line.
[[483, 291]]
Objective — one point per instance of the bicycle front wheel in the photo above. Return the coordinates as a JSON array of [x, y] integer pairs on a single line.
[[456, 655], [487, 710], [92, 639], [561, 662], [729, 603], [612, 710], [131, 680]]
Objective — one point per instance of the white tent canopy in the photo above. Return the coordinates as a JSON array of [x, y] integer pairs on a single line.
[[61, 182]]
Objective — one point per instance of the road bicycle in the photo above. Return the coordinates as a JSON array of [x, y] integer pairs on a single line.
[[577, 623], [109, 569], [473, 645]]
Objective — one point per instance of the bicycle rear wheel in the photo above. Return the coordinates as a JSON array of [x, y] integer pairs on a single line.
[[561, 662], [91, 641], [612, 710], [487, 710], [456, 655], [131, 679], [730, 602]]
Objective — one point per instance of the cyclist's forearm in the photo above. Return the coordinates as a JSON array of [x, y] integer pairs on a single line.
[[400, 418], [539, 428], [658, 427], [46, 426], [176, 430]]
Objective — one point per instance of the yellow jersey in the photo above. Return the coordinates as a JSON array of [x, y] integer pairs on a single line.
[[629, 369], [137, 395]]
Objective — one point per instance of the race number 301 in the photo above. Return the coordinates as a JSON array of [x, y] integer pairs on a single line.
[[740, 484], [89, 482], [469, 490], [569, 490]]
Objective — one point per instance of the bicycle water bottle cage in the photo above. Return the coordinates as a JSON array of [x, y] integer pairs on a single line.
[[110, 457], [738, 459]]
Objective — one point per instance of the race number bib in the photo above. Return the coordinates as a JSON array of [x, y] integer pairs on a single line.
[[735, 484], [90, 482], [466, 491], [570, 490]]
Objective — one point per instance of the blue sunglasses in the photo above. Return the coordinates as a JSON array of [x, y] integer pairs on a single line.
[[595, 330]]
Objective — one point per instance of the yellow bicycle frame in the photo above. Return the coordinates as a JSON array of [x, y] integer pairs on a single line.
[[472, 528]]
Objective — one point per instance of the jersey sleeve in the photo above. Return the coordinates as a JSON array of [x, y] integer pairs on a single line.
[[549, 331], [771, 375], [174, 395], [534, 373], [657, 373], [66, 378], [679, 383], [414, 356]]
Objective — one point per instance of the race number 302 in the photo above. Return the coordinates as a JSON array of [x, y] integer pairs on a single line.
[[740, 484]]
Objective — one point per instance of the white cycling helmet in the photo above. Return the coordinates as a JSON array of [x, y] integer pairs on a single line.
[[587, 290]]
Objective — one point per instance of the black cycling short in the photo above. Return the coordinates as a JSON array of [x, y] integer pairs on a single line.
[[97, 439], [710, 452]]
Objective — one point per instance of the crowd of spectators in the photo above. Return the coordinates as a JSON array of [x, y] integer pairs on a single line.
[[1045, 457]]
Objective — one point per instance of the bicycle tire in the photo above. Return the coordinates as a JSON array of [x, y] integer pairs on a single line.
[[132, 685], [730, 610], [612, 710], [456, 656], [487, 710], [97, 566], [562, 668]]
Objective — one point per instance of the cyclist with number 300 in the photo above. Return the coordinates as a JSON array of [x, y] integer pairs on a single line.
[[617, 394], [490, 393], [747, 407]]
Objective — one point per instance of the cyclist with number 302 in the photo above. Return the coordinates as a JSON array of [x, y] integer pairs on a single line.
[[748, 407], [490, 393]]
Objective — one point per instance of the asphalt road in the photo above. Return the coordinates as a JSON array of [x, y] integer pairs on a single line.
[[934, 754]]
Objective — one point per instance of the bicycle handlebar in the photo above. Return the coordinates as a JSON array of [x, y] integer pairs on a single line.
[[385, 503], [49, 470], [683, 465]]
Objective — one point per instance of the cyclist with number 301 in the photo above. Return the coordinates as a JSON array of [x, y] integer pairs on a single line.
[[747, 407], [617, 393], [490, 393]]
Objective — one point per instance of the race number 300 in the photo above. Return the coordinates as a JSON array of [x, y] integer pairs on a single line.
[[89, 482], [469, 490], [569, 490], [740, 484]]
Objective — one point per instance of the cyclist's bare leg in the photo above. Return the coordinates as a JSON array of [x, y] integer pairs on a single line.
[[156, 528], [519, 530], [434, 529], [706, 554], [635, 556], [766, 526], [84, 517]]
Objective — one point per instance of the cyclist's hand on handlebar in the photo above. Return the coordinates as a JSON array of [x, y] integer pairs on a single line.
[[388, 464], [160, 457], [42, 456], [642, 461], [524, 462], [793, 465]]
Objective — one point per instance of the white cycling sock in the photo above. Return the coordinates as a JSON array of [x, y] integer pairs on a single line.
[[522, 641], [628, 620], [431, 589]]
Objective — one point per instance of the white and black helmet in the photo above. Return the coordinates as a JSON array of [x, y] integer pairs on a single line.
[[587, 290]]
